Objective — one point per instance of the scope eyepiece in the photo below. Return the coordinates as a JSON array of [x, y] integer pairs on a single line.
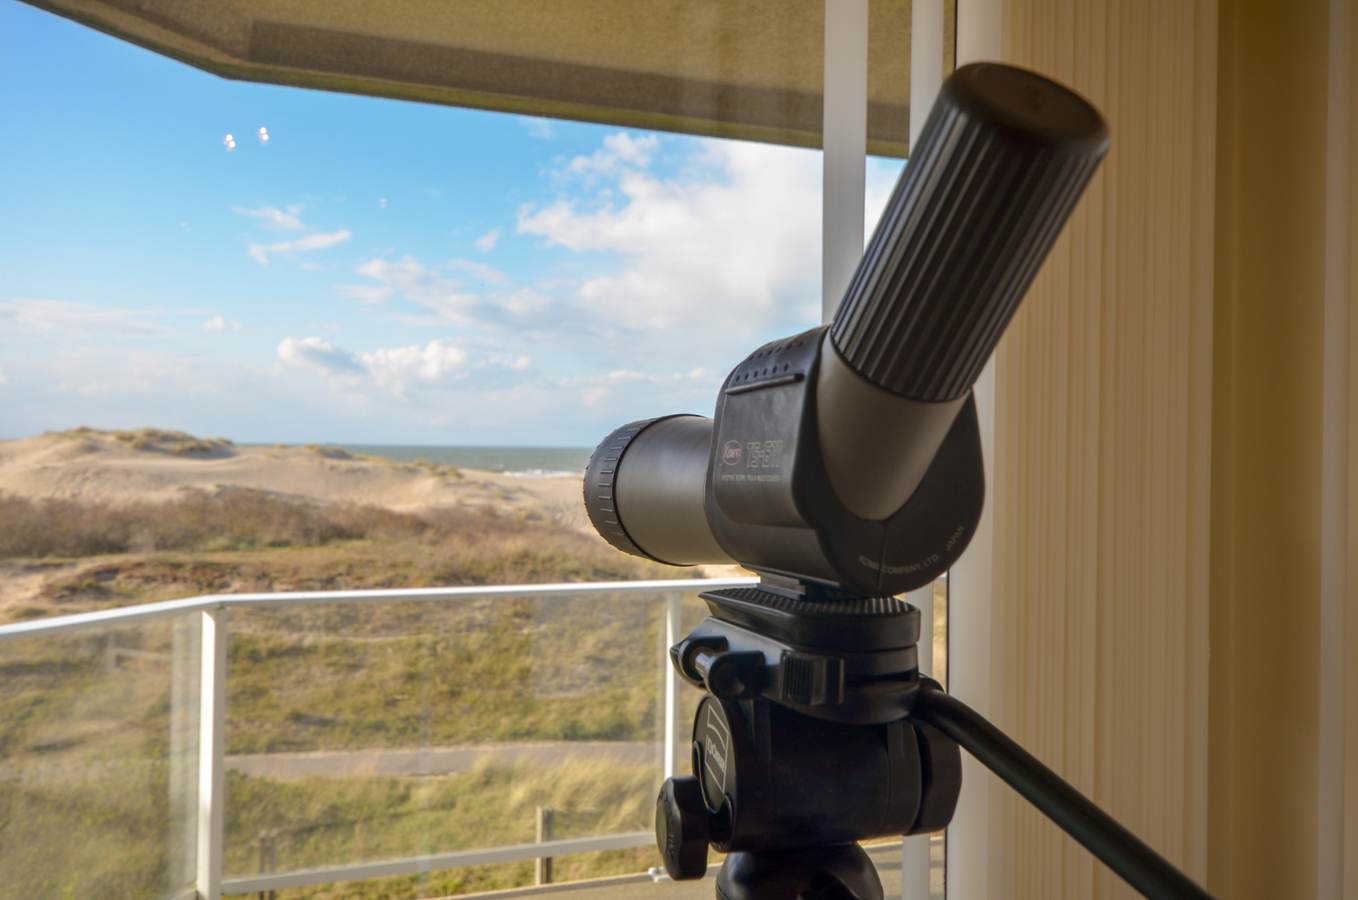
[[1003, 158]]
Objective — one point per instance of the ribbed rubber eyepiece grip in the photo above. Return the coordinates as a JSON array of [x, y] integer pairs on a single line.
[[1000, 165]]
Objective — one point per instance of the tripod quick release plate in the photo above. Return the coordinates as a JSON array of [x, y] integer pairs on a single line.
[[851, 660]]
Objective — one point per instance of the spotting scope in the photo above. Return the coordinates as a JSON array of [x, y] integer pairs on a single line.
[[848, 455], [844, 466]]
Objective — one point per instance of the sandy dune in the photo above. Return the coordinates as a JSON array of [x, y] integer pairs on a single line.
[[101, 467]]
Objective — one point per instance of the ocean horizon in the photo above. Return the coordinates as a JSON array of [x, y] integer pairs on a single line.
[[533, 461]]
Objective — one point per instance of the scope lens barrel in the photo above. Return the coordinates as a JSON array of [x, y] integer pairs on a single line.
[[644, 488], [1004, 157]]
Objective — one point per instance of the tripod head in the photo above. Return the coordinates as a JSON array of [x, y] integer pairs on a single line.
[[844, 466]]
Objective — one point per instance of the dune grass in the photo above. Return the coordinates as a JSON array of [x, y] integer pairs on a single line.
[[86, 803], [107, 835], [86, 749], [241, 519], [397, 675], [250, 541], [328, 821]]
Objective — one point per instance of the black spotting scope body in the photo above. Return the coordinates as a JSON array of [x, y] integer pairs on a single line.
[[849, 456]]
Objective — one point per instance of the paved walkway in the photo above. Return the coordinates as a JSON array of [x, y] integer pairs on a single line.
[[434, 760]]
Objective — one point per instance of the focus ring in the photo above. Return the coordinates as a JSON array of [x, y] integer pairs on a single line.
[[601, 480]]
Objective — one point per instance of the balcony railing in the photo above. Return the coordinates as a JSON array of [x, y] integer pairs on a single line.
[[115, 726], [93, 727]]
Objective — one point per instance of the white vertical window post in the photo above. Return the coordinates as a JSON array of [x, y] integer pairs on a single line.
[[673, 605], [844, 138], [211, 753], [979, 37], [926, 77]]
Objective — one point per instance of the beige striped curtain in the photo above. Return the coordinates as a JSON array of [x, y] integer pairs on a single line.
[[1156, 487]]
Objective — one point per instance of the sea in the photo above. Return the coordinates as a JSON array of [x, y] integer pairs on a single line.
[[532, 462]]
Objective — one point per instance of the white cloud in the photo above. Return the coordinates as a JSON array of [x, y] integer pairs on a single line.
[[320, 356], [320, 241], [593, 390], [523, 302], [496, 300], [53, 318], [418, 283], [619, 150], [54, 377], [482, 272], [366, 293], [395, 368], [219, 323], [277, 218], [729, 248], [538, 128], [3, 378], [513, 363], [486, 242]]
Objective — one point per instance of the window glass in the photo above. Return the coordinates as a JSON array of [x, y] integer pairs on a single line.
[[191, 261], [271, 264]]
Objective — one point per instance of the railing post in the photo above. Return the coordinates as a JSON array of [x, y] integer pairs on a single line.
[[546, 827], [184, 727], [211, 753], [673, 605], [915, 860]]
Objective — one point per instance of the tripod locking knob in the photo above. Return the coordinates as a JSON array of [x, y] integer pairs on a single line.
[[681, 828]]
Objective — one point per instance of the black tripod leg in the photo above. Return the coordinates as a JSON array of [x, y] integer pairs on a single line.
[[1119, 849]]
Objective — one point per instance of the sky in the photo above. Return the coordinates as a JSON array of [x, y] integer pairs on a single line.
[[356, 270]]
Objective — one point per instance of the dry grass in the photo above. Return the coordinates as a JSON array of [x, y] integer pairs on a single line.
[[305, 678], [229, 520], [322, 821], [91, 815], [242, 520]]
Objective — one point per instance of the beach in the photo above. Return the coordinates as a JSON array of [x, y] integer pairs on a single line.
[[150, 466], [88, 476]]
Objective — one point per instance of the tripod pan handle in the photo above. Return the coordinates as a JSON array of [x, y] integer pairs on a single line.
[[1123, 852]]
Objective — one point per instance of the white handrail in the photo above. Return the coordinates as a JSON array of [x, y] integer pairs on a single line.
[[289, 598]]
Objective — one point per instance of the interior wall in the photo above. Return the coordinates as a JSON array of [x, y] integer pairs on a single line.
[[1267, 395], [1350, 846], [1101, 483]]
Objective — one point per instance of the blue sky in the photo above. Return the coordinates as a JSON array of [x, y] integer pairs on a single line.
[[376, 271]]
